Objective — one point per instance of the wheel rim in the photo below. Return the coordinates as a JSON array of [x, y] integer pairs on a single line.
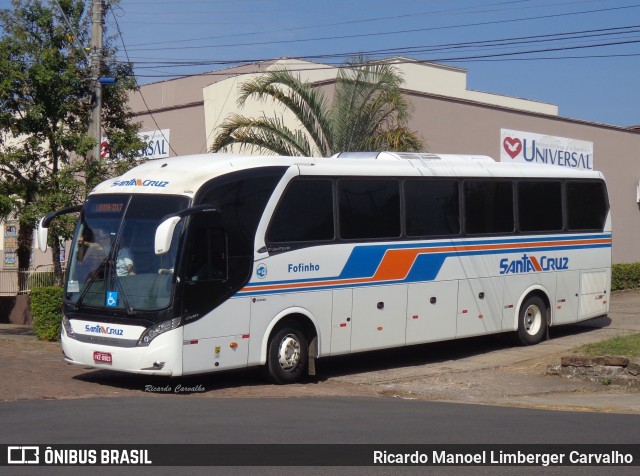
[[289, 352], [532, 319]]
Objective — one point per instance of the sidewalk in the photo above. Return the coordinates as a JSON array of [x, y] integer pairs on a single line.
[[480, 370]]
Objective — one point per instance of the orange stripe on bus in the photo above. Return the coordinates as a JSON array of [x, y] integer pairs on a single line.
[[396, 264]]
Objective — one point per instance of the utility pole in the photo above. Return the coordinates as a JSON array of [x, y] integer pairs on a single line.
[[95, 131]]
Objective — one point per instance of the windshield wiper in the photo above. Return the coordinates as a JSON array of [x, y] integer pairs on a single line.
[[94, 276]]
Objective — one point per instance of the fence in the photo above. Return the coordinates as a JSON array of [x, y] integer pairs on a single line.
[[14, 282]]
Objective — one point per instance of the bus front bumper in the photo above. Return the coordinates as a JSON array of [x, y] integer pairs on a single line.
[[163, 356]]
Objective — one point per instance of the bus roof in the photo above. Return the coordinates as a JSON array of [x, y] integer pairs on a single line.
[[184, 175]]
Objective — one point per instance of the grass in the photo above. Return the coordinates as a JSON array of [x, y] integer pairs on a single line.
[[621, 346]]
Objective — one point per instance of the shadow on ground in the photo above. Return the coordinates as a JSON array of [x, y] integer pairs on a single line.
[[330, 367]]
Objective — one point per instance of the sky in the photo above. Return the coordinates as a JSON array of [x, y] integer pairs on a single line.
[[581, 55]]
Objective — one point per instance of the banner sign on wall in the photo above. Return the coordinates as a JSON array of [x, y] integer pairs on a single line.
[[531, 148], [10, 232], [157, 145]]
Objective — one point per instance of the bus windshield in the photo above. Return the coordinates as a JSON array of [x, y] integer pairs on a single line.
[[113, 264]]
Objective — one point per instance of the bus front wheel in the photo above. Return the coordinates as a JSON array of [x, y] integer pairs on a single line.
[[532, 321], [287, 355]]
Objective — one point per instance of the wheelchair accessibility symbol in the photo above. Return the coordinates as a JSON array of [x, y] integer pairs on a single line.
[[112, 298]]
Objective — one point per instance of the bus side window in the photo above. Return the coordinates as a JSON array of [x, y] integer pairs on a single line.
[[488, 206], [586, 205], [304, 214], [540, 206], [432, 207], [369, 208]]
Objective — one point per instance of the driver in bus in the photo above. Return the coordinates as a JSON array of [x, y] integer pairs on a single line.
[[124, 263]]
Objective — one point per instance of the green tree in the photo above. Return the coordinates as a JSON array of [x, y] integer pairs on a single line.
[[45, 103], [368, 113], [5, 207]]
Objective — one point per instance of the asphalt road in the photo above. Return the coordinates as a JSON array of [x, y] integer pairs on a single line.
[[289, 421], [302, 420]]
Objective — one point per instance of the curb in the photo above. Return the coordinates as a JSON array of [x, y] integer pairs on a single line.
[[605, 369]]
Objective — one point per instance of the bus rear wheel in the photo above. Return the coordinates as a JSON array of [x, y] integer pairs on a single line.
[[532, 321], [287, 354]]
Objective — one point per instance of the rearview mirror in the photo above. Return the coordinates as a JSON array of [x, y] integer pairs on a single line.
[[164, 232], [42, 233]]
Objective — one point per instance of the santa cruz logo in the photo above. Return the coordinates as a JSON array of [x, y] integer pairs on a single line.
[[139, 183], [531, 264], [103, 330]]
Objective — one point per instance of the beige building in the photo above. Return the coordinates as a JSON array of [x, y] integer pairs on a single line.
[[193, 107], [449, 116]]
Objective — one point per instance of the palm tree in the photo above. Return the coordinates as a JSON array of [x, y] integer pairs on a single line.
[[368, 113]]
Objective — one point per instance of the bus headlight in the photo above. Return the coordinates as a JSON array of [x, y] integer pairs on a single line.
[[154, 331], [67, 327]]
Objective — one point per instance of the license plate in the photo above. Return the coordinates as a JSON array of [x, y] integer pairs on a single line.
[[102, 357]]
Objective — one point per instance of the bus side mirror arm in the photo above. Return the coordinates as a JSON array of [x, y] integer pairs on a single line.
[[42, 233], [164, 232]]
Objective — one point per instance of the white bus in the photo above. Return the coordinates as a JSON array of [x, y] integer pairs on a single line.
[[213, 262]]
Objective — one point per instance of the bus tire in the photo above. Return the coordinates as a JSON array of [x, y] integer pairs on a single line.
[[287, 354], [532, 321]]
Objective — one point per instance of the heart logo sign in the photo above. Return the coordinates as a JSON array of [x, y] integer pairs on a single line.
[[512, 146]]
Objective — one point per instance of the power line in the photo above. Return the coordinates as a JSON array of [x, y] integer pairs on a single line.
[[74, 32], [501, 42], [548, 47], [341, 23], [396, 32], [412, 51], [139, 89], [468, 59], [547, 58]]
